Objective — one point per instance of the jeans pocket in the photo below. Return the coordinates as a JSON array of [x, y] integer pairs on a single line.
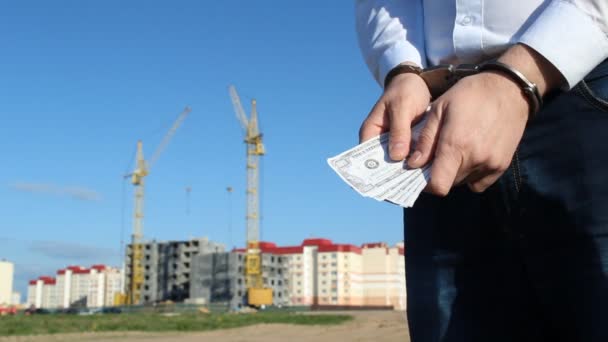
[[594, 88]]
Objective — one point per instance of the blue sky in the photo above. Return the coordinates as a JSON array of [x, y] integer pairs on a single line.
[[81, 81]]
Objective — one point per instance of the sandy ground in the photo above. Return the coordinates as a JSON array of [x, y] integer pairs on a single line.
[[380, 326]]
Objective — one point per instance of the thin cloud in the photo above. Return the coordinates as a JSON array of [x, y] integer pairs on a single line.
[[72, 251], [75, 192]]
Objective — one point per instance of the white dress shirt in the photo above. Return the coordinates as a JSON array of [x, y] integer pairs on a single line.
[[571, 34]]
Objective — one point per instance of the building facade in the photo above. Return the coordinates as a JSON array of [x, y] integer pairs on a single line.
[[168, 268], [7, 270], [76, 286], [220, 278], [314, 273]]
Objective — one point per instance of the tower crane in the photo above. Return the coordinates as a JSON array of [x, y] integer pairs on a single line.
[[257, 294], [136, 276]]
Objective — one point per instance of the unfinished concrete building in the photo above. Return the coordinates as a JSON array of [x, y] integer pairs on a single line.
[[168, 268], [220, 278]]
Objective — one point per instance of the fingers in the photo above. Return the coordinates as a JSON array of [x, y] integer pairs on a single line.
[[375, 124], [427, 140], [484, 183], [400, 133], [446, 165]]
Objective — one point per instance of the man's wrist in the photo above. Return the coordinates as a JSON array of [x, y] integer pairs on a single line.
[[403, 68], [534, 66], [527, 89]]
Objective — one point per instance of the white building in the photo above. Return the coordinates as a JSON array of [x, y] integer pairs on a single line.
[[6, 282], [104, 284], [322, 273], [76, 286], [42, 293]]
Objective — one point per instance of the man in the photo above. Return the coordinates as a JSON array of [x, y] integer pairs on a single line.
[[510, 242]]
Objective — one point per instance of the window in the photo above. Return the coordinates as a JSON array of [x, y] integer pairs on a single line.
[[334, 255], [271, 259], [272, 282]]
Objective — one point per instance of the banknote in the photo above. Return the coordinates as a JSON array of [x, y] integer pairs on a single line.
[[367, 166], [368, 169]]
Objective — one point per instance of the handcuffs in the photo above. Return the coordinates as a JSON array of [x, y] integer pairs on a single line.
[[441, 77]]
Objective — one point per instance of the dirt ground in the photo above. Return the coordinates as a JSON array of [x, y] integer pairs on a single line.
[[380, 326]]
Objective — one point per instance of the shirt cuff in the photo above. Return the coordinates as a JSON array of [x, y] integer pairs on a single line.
[[395, 55], [569, 39]]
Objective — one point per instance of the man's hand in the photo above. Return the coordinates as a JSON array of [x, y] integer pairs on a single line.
[[474, 128], [472, 132], [404, 101]]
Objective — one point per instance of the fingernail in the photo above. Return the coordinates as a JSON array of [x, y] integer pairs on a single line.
[[415, 156], [396, 151]]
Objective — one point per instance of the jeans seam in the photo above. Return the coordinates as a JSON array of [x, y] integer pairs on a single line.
[[516, 171], [587, 94]]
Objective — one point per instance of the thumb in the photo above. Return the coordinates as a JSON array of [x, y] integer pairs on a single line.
[[400, 133], [426, 140]]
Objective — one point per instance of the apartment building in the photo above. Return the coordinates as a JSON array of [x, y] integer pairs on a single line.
[[42, 293], [6, 281], [76, 286], [220, 277], [168, 268], [316, 272]]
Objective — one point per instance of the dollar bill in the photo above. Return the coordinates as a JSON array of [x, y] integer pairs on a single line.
[[368, 169]]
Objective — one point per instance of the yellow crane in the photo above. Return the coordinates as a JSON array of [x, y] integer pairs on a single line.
[[136, 276], [257, 294]]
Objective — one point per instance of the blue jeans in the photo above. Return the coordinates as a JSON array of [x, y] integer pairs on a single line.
[[527, 260]]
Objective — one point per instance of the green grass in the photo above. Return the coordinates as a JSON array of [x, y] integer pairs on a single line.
[[55, 324]]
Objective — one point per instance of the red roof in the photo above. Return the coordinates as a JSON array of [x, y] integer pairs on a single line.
[[81, 271], [317, 242], [46, 280], [33, 282], [266, 245], [61, 272], [373, 245], [99, 268], [339, 248], [323, 246]]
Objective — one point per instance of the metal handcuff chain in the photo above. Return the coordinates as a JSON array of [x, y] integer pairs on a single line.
[[442, 77]]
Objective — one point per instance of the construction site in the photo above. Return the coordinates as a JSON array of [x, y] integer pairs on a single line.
[[317, 273], [168, 174]]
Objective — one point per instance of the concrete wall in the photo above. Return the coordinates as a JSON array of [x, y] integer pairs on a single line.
[[220, 278], [168, 268]]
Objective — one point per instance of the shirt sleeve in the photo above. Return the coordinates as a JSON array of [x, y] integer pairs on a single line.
[[390, 33], [572, 35]]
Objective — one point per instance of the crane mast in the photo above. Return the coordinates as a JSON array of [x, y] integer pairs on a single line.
[[136, 276], [256, 292]]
